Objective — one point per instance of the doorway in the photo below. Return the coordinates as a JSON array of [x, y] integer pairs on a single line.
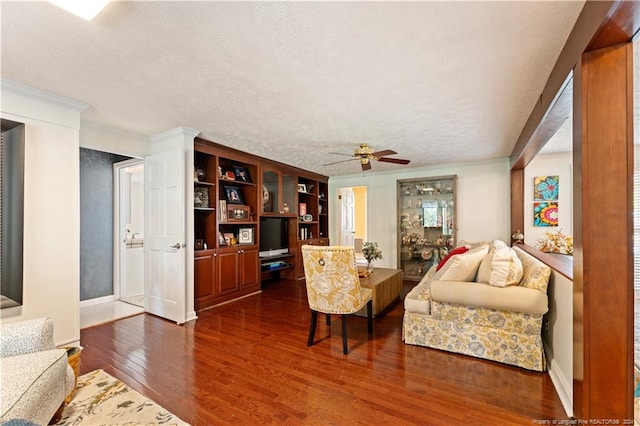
[[353, 216], [129, 231]]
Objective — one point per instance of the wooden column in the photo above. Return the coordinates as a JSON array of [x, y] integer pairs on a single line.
[[603, 229]]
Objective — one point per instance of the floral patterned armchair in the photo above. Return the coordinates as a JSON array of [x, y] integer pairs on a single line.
[[333, 287]]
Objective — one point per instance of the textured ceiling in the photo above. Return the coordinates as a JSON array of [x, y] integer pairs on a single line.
[[438, 82]]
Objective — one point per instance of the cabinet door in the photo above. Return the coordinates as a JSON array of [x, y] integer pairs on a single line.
[[227, 281], [204, 269], [249, 268], [270, 191], [289, 191]]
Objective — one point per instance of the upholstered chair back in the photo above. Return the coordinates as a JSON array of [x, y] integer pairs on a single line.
[[332, 280]]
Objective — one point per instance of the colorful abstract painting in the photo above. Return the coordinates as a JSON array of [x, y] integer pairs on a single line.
[[545, 214], [545, 188]]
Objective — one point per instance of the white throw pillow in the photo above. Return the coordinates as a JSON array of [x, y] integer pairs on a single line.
[[463, 267], [501, 267]]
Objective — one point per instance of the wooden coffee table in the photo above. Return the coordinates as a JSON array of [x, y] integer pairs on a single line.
[[386, 285]]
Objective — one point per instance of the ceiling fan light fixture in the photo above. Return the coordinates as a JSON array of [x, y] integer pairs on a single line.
[[85, 9]]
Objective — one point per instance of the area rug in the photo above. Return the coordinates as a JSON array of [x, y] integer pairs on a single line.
[[101, 399]]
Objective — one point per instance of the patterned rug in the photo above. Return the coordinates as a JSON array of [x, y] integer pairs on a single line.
[[101, 399]]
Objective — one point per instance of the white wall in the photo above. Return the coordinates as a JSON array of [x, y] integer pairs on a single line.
[[558, 339], [51, 210], [483, 202], [545, 165], [107, 139]]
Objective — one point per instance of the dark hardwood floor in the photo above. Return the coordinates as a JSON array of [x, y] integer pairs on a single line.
[[247, 362]]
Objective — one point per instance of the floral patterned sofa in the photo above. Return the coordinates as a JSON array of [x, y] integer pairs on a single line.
[[492, 307], [35, 377]]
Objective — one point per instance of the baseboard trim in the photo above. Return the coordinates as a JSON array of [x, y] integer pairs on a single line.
[[563, 386], [191, 316], [97, 301]]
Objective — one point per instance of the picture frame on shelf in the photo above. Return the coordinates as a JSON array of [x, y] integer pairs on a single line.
[[237, 212], [199, 245], [245, 236], [242, 174], [221, 240], [234, 196], [223, 210], [200, 197], [302, 187], [302, 209], [229, 238]]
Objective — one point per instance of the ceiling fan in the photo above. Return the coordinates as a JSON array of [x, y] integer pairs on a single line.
[[365, 154]]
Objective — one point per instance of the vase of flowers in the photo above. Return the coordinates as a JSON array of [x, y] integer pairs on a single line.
[[555, 242], [371, 252]]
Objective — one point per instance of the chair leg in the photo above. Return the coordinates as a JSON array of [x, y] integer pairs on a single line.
[[345, 350], [312, 328], [370, 316], [328, 319]]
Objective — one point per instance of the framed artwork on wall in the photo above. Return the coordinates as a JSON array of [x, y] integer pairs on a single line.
[[546, 188], [545, 214]]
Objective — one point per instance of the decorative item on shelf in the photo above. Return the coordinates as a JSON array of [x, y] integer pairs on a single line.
[[518, 237], [245, 236], [321, 196], [437, 252], [371, 252], [555, 242], [307, 218], [320, 209], [302, 187], [200, 197], [266, 199], [229, 238], [242, 174], [221, 240], [302, 209], [234, 196], [285, 208], [310, 188], [236, 212], [199, 245], [198, 174], [427, 254]]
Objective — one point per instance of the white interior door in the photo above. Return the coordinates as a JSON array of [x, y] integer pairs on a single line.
[[347, 217], [164, 248]]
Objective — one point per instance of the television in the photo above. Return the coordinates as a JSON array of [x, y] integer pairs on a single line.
[[274, 236]]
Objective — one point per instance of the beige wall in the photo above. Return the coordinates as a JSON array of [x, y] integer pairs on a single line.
[[51, 210]]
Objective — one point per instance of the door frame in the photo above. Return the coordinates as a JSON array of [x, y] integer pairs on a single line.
[[365, 205], [119, 222]]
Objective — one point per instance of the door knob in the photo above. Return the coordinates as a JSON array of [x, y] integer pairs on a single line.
[[176, 246]]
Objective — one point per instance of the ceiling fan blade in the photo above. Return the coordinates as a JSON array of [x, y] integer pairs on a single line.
[[341, 161], [341, 153], [383, 153], [366, 166], [393, 160]]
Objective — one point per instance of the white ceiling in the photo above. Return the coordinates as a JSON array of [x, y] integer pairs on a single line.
[[438, 82]]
